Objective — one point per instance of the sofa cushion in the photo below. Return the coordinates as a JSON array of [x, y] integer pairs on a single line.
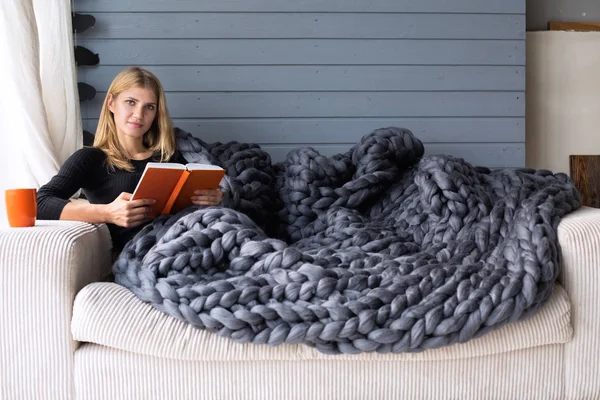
[[110, 315]]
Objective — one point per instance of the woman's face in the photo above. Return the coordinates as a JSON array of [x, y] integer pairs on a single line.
[[134, 111]]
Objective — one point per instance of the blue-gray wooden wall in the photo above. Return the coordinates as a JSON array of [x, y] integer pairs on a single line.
[[289, 73]]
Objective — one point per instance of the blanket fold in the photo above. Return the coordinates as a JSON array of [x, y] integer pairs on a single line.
[[377, 249]]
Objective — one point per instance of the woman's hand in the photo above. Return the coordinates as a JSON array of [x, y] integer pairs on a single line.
[[207, 197], [128, 213]]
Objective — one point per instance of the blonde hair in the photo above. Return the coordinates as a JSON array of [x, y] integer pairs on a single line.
[[160, 138]]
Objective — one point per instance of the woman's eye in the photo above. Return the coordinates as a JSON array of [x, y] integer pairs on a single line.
[[130, 102], [150, 107]]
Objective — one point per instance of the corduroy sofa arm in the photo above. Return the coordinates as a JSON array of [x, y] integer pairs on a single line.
[[41, 270], [579, 238]]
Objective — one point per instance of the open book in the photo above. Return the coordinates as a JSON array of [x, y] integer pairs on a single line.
[[172, 185]]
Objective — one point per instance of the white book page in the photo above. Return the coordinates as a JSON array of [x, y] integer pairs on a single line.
[[195, 166], [164, 165]]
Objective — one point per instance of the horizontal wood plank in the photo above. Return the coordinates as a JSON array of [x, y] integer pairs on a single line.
[[305, 25], [306, 52], [492, 155], [440, 6], [335, 104], [574, 26], [311, 78], [334, 130]]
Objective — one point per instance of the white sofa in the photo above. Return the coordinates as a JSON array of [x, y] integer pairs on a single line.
[[64, 334]]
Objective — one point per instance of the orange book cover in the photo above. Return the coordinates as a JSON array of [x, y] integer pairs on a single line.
[[200, 177], [172, 185]]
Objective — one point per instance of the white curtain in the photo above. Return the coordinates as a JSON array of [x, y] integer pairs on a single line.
[[40, 123]]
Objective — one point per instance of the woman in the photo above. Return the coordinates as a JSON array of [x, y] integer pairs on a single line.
[[134, 128]]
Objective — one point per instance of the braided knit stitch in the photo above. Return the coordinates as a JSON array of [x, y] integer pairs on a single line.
[[378, 249]]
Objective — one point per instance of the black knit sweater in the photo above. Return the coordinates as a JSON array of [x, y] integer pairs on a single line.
[[86, 169]]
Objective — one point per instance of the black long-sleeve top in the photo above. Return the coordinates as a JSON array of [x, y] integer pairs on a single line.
[[87, 169]]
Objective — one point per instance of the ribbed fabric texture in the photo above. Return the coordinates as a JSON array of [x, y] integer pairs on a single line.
[[579, 236], [103, 373], [111, 315], [41, 269]]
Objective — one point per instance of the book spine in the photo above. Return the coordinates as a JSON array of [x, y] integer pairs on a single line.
[[175, 192]]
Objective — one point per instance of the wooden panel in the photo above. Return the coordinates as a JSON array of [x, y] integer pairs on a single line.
[[332, 130], [291, 73], [491, 155], [408, 6], [293, 78], [585, 172], [306, 51], [306, 25], [574, 26], [335, 104]]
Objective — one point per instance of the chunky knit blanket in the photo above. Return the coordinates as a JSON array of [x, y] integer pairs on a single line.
[[378, 249]]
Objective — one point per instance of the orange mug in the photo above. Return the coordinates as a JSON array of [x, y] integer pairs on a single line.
[[21, 207]]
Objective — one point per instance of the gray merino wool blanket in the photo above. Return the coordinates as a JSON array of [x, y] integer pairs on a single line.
[[378, 249]]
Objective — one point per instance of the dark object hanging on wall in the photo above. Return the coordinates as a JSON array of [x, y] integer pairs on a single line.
[[88, 138], [585, 173], [84, 56], [81, 22], [86, 92]]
